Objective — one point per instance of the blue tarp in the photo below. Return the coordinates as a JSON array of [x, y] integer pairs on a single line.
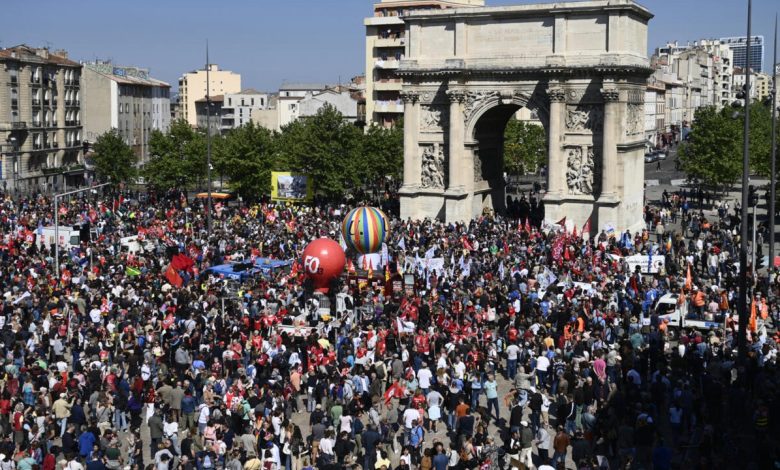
[[269, 266], [226, 271]]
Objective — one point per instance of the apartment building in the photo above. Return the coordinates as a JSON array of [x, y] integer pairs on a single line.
[[40, 120], [127, 99], [238, 107], [385, 48], [192, 87]]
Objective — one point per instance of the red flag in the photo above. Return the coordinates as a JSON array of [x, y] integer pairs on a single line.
[[394, 391], [574, 231], [182, 262], [561, 222], [527, 225], [586, 227], [173, 277]]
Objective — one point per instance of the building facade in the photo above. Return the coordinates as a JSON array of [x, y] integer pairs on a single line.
[[211, 115], [342, 101], [238, 107], [386, 46], [40, 120], [192, 87], [738, 44], [127, 99]]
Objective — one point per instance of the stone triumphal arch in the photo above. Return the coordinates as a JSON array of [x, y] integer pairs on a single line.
[[581, 67]]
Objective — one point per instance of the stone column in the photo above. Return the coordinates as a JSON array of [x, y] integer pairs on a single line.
[[556, 171], [459, 169], [411, 151], [609, 162]]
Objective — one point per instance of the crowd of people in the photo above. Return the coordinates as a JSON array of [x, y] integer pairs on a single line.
[[519, 345]]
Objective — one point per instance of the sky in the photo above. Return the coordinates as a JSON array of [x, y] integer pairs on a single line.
[[270, 42]]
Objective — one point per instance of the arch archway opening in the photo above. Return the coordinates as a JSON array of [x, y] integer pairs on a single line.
[[509, 147]]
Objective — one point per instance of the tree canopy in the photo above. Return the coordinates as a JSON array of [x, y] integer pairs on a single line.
[[525, 147], [337, 155], [713, 153], [114, 159]]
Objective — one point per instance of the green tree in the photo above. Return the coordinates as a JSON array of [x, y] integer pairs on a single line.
[[525, 147], [114, 159], [383, 152], [326, 148], [178, 157], [246, 156], [713, 153]]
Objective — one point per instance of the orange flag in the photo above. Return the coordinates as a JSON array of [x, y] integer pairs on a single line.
[[688, 279], [752, 325]]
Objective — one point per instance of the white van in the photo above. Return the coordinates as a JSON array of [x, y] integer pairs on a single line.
[[669, 308], [68, 237], [133, 245]]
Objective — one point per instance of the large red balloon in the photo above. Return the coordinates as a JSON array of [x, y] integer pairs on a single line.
[[323, 261]]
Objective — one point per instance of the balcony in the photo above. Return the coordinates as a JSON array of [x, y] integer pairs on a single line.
[[388, 85], [383, 21], [37, 123], [390, 42], [36, 102], [13, 80], [18, 125], [390, 64]]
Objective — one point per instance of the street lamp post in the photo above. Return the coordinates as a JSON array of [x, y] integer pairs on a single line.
[[742, 300]]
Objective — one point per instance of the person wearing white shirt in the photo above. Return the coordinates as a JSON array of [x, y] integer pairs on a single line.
[[542, 364], [410, 415], [424, 376], [460, 369], [442, 362], [512, 353]]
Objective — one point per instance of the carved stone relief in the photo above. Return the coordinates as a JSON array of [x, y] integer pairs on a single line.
[[636, 96], [584, 118], [433, 168], [580, 171], [434, 118], [477, 167], [635, 119], [474, 98]]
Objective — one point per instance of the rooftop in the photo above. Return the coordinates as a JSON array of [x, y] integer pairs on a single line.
[[213, 99], [124, 74], [25, 53], [303, 86]]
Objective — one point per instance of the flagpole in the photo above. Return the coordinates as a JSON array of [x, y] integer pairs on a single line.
[[773, 172], [208, 137]]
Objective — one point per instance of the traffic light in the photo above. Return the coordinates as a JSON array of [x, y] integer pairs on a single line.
[[752, 196]]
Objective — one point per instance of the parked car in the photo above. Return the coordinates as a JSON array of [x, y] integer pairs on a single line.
[[661, 154], [650, 157]]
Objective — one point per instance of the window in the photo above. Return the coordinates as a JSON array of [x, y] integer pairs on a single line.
[[230, 101], [253, 101]]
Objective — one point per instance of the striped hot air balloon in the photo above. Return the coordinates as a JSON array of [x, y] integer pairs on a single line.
[[364, 229]]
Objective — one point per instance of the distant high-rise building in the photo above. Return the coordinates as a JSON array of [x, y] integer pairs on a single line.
[[385, 48], [40, 120], [192, 87], [738, 44]]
